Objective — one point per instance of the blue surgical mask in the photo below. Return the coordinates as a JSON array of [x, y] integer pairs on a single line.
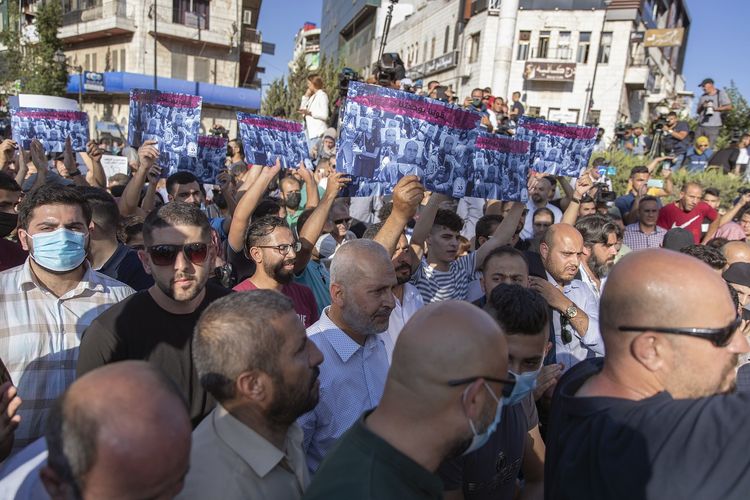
[[525, 383], [479, 440], [60, 250]]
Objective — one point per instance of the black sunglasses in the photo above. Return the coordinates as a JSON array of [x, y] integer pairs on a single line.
[[720, 337], [508, 384], [284, 249], [165, 255], [346, 220]]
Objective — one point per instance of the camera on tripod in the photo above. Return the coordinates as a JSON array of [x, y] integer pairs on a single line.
[[621, 129], [659, 123], [347, 75], [389, 69]]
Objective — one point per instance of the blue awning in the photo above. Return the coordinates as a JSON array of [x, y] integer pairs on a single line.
[[219, 95]]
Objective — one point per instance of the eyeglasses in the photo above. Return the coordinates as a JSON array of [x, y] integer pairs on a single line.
[[138, 247], [346, 220], [284, 249], [165, 255], [720, 337], [508, 384]]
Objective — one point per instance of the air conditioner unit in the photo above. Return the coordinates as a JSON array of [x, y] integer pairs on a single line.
[[247, 16]]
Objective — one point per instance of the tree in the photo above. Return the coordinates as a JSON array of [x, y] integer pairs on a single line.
[[276, 99], [737, 120], [33, 62]]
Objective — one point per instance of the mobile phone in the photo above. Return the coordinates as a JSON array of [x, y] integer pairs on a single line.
[[611, 171], [440, 93], [655, 183]]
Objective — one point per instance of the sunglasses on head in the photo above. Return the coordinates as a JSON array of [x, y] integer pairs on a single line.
[[166, 255], [720, 337]]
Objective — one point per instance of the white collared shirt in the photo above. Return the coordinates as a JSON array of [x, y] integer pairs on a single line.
[[400, 315]]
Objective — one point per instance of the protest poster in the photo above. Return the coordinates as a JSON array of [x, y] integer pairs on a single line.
[[387, 134], [500, 168], [265, 139], [171, 119], [51, 127], [112, 165], [212, 155], [555, 148]]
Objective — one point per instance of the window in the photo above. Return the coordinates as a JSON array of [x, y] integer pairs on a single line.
[[447, 39], [605, 47], [201, 69], [432, 49], [93, 62], [474, 48], [424, 54], [179, 66], [563, 46], [594, 117], [584, 47], [524, 37], [543, 48], [192, 13], [534, 110], [123, 66], [112, 61], [87, 63]]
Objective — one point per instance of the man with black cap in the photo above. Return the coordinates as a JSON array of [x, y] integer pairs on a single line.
[[677, 238], [738, 276], [712, 104]]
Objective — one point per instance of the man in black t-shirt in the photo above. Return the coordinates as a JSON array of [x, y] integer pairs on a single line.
[[156, 325], [655, 419], [675, 142]]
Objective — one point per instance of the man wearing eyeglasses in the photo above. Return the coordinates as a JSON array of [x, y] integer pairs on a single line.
[[271, 245], [156, 325], [339, 233], [657, 418]]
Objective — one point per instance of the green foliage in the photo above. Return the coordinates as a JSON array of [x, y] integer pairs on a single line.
[[738, 119], [33, 63]]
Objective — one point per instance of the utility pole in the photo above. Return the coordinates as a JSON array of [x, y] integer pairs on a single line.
[[153, 13]]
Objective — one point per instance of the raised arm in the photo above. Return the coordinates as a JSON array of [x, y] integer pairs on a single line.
[[23, 167], [147, 155], [567, 189], [311, 187], [502, 235], [583, 186], [97, 177], [39, 159], [247, 204], [424, 224], [407, 195], [69, 160]]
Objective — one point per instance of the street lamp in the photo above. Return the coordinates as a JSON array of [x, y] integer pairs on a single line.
[[590, 89], [59, 58]]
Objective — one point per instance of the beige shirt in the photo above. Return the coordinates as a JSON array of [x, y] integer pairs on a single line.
[[229, 461]]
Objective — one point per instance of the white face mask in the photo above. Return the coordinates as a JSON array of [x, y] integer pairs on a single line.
[[525, 383], [480, 440]]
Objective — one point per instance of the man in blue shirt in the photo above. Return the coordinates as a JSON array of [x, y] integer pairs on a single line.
[[696, 159], [349, 334]]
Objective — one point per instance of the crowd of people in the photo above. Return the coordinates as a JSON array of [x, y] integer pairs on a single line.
[[268, 338]]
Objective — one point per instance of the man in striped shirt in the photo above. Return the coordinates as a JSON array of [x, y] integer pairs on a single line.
[[440, 275], [47, 303]]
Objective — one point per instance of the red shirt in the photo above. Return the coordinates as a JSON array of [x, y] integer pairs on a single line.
[[302, 298], [672, 216]]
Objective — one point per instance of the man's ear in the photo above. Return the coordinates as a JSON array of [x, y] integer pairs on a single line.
[[543, 250], [23, 239], [651, 350], [145, 260], [56, 488]]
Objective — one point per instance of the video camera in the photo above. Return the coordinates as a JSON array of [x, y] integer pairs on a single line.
[[603, 194], [389, 69], [621, 129], [659, 123], [347, 75]]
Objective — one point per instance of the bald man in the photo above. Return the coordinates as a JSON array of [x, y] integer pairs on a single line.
[[736, 251], [120, 431], [575, 317], [437, 404], [657, 417], [351, 334]]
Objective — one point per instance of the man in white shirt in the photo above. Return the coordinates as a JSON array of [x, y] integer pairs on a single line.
[[314, 108], [600, 235], [541, 193]]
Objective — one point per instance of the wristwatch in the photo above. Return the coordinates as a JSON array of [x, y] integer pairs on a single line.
[[571, 312]]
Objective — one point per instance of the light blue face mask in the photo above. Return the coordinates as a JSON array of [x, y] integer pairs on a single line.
[[525, 383], [479, 440], [60, 250]]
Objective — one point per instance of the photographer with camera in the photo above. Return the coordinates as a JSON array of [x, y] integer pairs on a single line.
[[674, 139], [711, 106], [640, 144]]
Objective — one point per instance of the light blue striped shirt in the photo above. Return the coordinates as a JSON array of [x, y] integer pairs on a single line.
[[352, 378]]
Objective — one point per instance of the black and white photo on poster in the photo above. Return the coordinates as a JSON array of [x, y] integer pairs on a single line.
[[500, 169], [265, 139], [51, 127], [211, 159], [556, 148]]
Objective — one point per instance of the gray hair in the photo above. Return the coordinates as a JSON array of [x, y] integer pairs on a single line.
[[347, 262], [235, 334]]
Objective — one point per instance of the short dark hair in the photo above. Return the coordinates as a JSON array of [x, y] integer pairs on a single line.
[[104, 211], [180, 177], [586, 198], [596, 228], [129, 227], [8, 183], [477, 89], [448, 218], [639, 169], [372, 231], [712, 191], [502, 251], [518, 310], [543, 210], [260, 229], [672, 113], [51, 194], [484, 226], [717, 243], [648, 197], [172, 214], [267, 206], [552, 181], [711, 256]]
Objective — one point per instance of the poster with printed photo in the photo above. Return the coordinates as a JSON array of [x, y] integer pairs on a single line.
[[212, 155], [555, 148], [386, 134], [500, 168], [265, 139], [171, 119], [51, 127]]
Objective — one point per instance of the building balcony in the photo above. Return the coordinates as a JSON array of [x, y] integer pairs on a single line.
[[551, 54], [188, 26], [312, 49], [100, 19], [251, 41], [638, 73]]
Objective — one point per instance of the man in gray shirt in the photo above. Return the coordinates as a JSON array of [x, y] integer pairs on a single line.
[[711, 106]]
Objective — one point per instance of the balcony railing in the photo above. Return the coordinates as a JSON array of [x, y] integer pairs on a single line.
[[551, 53], [91, 10]]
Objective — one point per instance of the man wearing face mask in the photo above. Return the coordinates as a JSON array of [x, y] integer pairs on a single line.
[[11, 253], [435, 406], [516, 445], [47, 303]]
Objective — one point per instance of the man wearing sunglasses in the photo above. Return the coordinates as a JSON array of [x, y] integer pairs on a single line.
[[156, 325], [437, 404], [271, 245], [657, 418], [491, 471]]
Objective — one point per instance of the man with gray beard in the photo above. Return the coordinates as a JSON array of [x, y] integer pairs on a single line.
[[349, 334], [600, 236]]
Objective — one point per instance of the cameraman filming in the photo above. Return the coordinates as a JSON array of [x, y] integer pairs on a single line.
[[674, 140], [711, 107]]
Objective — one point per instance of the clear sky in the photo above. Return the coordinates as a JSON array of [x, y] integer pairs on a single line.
[[715, 44]]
